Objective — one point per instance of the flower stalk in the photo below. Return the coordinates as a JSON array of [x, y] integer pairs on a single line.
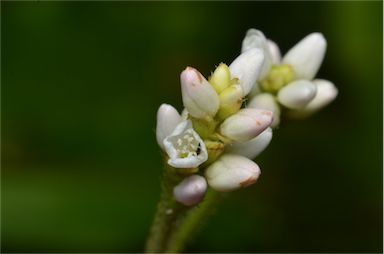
[[227, 121]]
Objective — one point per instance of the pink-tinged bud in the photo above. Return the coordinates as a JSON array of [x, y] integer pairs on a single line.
[[231, 172], [246, 124], [253, 147], [199, 97], [167, 120], [191, 190], [297, 94], [246, 68], [268, 102], [306, 56]]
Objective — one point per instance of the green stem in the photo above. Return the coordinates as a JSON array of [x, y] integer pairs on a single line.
[[174, 223], [189, 225]]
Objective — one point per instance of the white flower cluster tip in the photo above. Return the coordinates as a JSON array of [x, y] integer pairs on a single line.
[[215, 139]]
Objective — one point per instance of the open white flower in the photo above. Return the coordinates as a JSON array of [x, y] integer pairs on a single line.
[[301, 62], [184, 147]]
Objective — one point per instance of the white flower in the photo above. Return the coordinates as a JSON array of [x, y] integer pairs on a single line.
[[256, 39], [297, 94], [199, 97], [274, 52], [326, 93], [167, 120], [246, 68], [191, 190], [291, 77], [306, 56], [253, 147], [268, 102], [184, 147], [246, 124], [231, 172]]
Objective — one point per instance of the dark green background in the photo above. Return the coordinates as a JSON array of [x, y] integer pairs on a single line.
[[81, 83]]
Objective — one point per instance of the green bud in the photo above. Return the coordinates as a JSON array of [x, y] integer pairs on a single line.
[[204, 127], [231, 99], [278, 76], [221, 78], [214, 149]]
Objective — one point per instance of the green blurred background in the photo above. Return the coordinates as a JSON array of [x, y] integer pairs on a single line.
[[81, 83]]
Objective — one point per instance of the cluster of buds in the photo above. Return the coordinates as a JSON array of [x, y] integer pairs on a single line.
[[216, 137]]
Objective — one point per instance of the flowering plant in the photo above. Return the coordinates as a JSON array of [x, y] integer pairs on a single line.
[[227, 121]]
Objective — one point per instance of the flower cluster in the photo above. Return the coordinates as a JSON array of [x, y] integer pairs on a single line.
[[216, 137]]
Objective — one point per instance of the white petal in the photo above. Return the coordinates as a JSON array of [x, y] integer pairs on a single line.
[[274, 52], [246, 68], [231, 172], [167, 120], [306, 56], [246, 124], [191, 190], [326, 93], [268, 102], [184, 147], [199, 97], [255, 39], [253, 147], [297, 94]]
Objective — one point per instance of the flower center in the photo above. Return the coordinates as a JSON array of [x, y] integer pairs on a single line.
[[278, 76], [186, 144]]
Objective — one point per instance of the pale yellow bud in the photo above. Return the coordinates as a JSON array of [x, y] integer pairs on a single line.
[[221, 78], [231, 99]]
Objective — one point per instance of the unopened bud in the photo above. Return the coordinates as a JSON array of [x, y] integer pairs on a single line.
[[268, 102], [191, 190], [297, 94], [253, 147], [274, 51], [326, 93], [231, 172], [306, 56], [246, 124], [199, 98], [231, 99], [221, 78], [246, 68]]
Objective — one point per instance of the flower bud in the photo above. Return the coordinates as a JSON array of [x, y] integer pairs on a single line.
[[297, 94], [246, 124], [268, 102], [253, 147], [231, 99], [231, 172], [191, 190], [306, 56], [326, 93], [199, 98], [274, 52], [221, 78], [184, 147], [167, 120], [255, 39], [246, 68]]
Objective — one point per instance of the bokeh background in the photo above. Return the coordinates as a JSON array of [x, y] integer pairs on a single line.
[[81, 83]]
